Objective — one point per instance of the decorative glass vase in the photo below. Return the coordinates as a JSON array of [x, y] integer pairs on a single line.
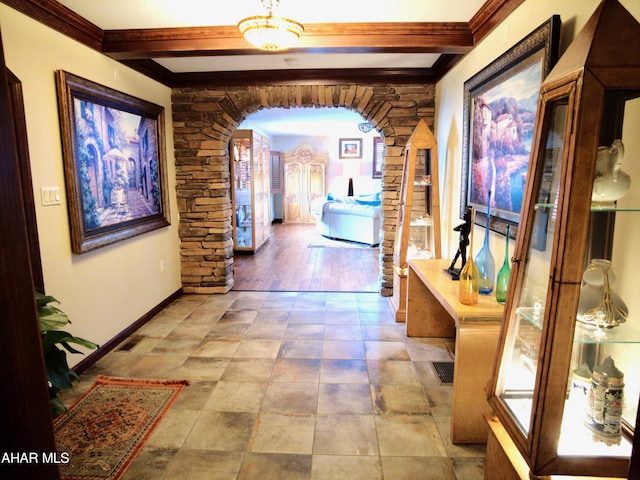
[[469, 277], [484, 260], [502, 283], [599, 305]]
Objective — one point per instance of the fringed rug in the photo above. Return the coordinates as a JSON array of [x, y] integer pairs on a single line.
[[105, 429]]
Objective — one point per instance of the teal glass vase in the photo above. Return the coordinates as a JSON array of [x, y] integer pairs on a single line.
[[484, 260], [502, 283]]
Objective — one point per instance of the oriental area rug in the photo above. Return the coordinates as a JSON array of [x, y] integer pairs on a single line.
[[106, 428]]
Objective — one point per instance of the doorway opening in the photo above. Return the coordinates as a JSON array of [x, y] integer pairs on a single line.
[[297, 257]]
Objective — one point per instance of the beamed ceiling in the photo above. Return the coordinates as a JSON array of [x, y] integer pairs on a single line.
[[196, 42]]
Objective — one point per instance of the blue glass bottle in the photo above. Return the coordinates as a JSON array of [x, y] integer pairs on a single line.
[[484, 260]]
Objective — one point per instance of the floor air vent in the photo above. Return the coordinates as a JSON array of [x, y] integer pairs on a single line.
[[444, 371]]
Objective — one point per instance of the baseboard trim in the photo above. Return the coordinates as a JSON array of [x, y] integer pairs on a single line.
[[107, 347]]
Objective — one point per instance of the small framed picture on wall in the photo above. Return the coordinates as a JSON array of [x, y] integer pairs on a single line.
[[350, 148]]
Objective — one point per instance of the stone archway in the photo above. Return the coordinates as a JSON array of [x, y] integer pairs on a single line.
[[204, 120]]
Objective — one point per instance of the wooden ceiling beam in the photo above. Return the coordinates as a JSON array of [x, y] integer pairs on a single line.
[[318, 38]]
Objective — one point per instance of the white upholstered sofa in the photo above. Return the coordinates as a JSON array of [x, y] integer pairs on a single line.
[[355, 219]]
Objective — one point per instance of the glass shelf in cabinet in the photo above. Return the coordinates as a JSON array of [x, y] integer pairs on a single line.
[[620, 334]]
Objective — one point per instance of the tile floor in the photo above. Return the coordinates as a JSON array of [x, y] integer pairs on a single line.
[[287, 385]]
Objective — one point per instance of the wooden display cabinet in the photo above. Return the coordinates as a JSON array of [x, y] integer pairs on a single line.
[[550, 418], [250, 167], [418, 226]]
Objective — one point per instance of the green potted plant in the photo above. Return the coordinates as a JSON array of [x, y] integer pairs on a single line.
[[59, 375]]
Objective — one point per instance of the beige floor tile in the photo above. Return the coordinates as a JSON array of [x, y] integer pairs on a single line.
[[337, 349], [304, 332], [258, 348], [345, 399], [291, 398], [462, 450], [283, 433], [204, 465], [343, 318], [296, 370], [424, 468], [408, 436], [222, 431], [275, 466], [342, 332], [194, 396], [334, 467], [375, 350], [157, 366], [266, 331], [308, 305], [173, 429], [469, 468], [233, 332], [115, 364], [216, 348], [238, 316], [249, 370], [399, 400], [150, 464], [176, 346], [202, 368], [301, 349], [189, 329], [272, 317], [158, 328], [309, 318], [236, 397], [345, 435], [392, 372], [343, 371], [386, 333], [429, 349]]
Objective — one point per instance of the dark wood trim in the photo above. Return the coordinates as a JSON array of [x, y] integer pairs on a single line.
[[120, 337], [26, 425], [490, 15], [60, 18], [304, 77], [17, 107]]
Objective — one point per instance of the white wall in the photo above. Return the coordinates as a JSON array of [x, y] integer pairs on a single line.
[[103, 291]]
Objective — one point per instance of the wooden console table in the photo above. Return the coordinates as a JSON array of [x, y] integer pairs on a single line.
[[433, 310]]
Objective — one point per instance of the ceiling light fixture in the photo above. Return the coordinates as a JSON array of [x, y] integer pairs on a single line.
[[365, 127], [268, 32]]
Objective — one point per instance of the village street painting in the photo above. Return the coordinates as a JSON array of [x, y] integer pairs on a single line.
[[503, 120], [117, 164]]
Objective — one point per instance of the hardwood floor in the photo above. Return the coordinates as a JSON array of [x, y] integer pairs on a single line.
[[296, 258]]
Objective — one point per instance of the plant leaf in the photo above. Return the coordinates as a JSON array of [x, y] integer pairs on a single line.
[[53, 337]]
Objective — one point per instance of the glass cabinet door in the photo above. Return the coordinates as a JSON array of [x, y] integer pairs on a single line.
[[517, 375], [421, 234], [242, 192]]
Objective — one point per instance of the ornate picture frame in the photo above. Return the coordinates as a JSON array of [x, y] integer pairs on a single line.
[[350, 148], [500, 105], [114, 154]]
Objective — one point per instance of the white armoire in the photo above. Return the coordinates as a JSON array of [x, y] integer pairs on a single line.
[[305, 179]]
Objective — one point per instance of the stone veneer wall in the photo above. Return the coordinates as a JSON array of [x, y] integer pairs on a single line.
[[204, 120]]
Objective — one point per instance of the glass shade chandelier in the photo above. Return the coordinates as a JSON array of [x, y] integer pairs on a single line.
[[268, 32]]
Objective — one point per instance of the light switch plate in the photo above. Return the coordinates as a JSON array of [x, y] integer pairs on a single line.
[[50, 195]]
